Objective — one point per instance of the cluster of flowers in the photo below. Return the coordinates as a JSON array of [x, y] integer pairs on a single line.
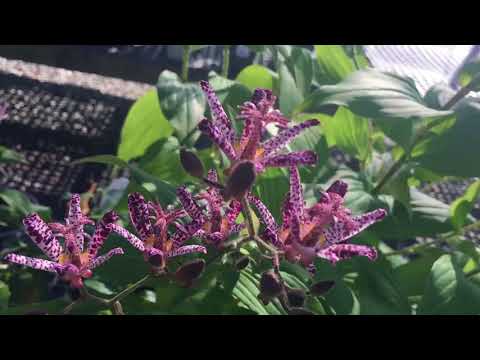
[[212, 215]]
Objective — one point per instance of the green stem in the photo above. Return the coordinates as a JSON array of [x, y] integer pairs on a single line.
[[473, 272], [422, 133], [247, 214], [187, 50], [411, 249], [226, 61], [128, 290]]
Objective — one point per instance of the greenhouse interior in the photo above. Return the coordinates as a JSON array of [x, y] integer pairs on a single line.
[[239, 180]]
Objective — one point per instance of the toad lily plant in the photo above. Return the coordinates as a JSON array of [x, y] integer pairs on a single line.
[[71, 261]]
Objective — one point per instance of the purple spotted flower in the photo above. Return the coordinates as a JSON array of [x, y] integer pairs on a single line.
[[151, 223], [3, 112], [256, 114], [319, 231], [219, 222], [72, 262]]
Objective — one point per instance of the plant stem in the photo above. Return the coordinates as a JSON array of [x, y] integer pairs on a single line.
[[128, 290], [473, 272], [423, 132], [410, 249], [187, 50], [247, 214], [226, 61]]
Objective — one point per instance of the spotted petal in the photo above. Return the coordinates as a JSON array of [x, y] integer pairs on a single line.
[[218, 137], [42, 236], [182, 235], [233, 211], [296, 193], [38, 264], [338, 187], [189, 204], [102, 259], [341, 231], [337, 252], [276, 143], [216, 108], [127, 235], [139, 215], [291, 159], [189, 249], [101, 233]]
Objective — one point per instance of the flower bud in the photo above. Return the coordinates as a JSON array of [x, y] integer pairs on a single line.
[[270, 287], [157, 261], [192, 164], [189, 272], [322, 287], [300, 311], [240, 181], [242, 262], [296, 297]]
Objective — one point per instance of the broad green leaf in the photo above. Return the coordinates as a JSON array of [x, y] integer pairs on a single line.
[[102, 159], [144, 125], [334, 63], [462, 206], [300, 64], [349, 132], [10, 156], [98, 286], [4, 295], [182, 104], [374, 94], [454, 151], [412, 276], [290, 95], [272, 187], [379, 291], [256, 76], [448, 291], [18, 205], [162, 160]]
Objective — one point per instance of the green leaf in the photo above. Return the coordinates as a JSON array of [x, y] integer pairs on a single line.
[[19, 206], [257, 48], [448, 291], [290, 95], [334, 63], [373, 94], [349, 132], [379, 291], [183, 104], [144, 125], [102, 159], [98, 286], [4, 295], [300, 64], [271, 187], [256, 76], [462, 206], [10, 156], [162, 160], [454, 151]]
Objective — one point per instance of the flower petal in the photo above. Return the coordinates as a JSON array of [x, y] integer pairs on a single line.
[[189, 249], [182, 235], [38, 264], [233, 211], [218, 137], [265, 215], [127, 235], [340, 231], [77, 220], [337, 252], [291, 159], [189, 204], [42, 235], [217, 110], [102, 259], [215, 238], [338, 187], [101, 233], [296, 193], [139, 215], [276, 143]]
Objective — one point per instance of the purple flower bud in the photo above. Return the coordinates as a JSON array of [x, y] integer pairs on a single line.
[[240, 181], [300, 311], [242, 263], [192, 164], [270, 287], [322, 287], [189, 272], [296, 297]]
